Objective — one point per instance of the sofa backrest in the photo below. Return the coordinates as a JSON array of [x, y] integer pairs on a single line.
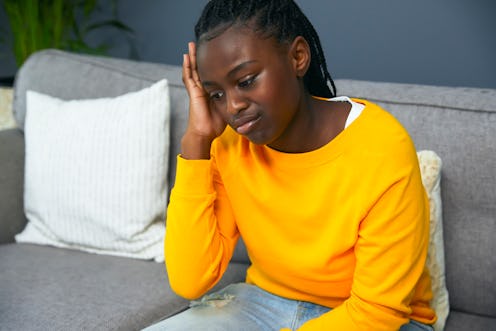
[[459, 124]]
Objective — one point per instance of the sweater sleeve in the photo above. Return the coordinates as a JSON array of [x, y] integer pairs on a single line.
[[390, 252], [201, 233]]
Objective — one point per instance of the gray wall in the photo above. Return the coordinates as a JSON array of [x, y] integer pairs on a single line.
[[7, 62], [441, 42]]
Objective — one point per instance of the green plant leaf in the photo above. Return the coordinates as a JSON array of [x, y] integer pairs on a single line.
[[39, 24], [89, 6], [109, 23]]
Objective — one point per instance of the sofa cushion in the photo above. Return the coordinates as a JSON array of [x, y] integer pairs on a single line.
[[45, 288], [96, 172], [460, 125], [460, 321]]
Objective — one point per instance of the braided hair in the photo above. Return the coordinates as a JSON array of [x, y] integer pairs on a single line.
[[280, 19]]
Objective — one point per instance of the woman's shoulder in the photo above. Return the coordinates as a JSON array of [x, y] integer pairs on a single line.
[[379, 132], [379, 122], [377, 113]]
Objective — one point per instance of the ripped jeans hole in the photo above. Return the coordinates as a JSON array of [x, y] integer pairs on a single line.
[[215, 300]]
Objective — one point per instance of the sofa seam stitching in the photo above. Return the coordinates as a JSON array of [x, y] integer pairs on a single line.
[[490, 111]]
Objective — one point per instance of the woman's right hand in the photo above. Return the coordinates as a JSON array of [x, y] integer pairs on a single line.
[[204, 125]]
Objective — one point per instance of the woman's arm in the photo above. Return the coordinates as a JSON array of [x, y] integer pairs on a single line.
[[201, 233]]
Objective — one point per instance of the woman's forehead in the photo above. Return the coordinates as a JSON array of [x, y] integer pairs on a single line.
[[234, 45]]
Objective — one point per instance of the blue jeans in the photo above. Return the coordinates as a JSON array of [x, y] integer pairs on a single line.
[[244, 307]]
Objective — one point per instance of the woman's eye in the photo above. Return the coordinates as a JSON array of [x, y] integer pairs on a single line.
[[247, 82], [216, 95]]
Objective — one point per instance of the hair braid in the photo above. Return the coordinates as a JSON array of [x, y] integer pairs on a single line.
[[320, 66], [281, 19]]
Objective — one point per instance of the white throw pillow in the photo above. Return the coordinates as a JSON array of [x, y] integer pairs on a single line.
[[430, 168], [96, 172]]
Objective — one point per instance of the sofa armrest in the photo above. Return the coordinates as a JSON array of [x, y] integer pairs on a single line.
[[12, 219]]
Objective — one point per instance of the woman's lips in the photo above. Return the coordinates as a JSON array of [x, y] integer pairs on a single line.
[[245, 124]]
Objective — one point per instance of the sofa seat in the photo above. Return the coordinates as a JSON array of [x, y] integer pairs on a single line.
[[466, 321], [46, 288]]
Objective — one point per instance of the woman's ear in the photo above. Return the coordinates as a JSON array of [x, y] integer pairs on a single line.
[[299, 52]]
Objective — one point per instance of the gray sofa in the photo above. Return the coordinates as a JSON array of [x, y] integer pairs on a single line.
[[47, 288]]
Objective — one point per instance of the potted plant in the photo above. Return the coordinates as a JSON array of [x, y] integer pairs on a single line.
[[62, 24]]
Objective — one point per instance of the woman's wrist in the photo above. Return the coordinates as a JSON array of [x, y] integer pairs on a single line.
[[195, 147]]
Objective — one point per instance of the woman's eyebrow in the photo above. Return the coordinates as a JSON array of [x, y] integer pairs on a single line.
[[239, 67], [232, 72]]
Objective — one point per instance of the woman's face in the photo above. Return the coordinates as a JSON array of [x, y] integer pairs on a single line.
[[253, 83]]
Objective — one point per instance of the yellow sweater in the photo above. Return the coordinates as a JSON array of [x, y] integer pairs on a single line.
[[345, 226]]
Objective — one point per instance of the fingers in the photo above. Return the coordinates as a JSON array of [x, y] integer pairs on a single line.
[[186, 68], [191, 79], [187, 76], [194, 67]]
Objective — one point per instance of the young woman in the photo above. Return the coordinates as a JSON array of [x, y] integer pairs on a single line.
[[325, 192]]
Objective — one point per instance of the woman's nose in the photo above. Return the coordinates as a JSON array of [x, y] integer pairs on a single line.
[[235, 103]]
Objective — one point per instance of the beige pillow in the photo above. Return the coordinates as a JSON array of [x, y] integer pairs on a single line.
[[6, 117], [430, 168]]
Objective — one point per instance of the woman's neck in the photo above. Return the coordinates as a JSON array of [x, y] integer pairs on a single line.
[[316, 123]]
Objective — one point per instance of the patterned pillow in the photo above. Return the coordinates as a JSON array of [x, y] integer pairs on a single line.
[[430, 168], [6, 117]]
